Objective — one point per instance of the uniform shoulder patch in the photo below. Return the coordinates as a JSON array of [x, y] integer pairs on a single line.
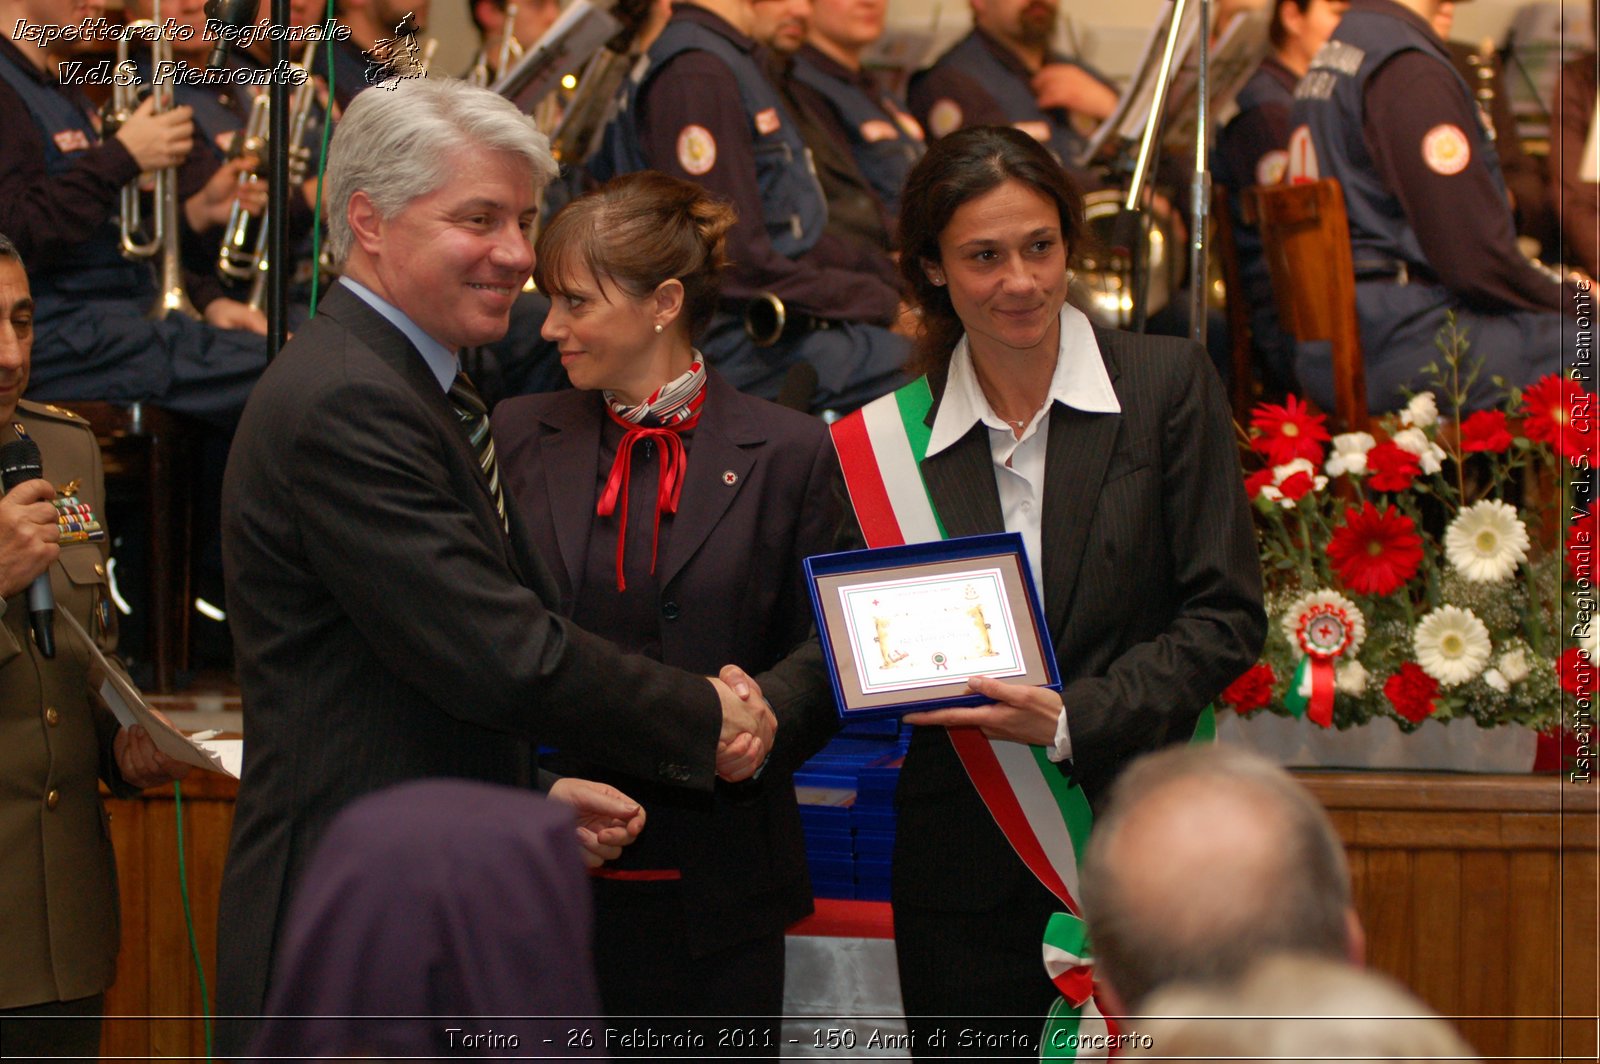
[[1445, 149], [944, 117], [697, 150], [1271, 167]]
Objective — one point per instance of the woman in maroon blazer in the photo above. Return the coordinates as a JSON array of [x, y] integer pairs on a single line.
[[680, 510]]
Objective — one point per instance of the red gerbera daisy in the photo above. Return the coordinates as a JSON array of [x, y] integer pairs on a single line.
[[1559, 412], [1391, 467], [1374, 552], [1411, 692], [1284, 433], [1486, 430], [1251, 691], [1583, 541]]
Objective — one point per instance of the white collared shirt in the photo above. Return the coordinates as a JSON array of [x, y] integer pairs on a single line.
[[440, 359], [1081, 382]]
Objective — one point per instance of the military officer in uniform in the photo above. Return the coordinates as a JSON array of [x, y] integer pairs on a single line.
[[60, 934], [705, 111], [1384, 111]]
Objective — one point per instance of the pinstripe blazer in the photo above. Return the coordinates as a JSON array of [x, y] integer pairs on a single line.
[[1152, 591], [387, 628]]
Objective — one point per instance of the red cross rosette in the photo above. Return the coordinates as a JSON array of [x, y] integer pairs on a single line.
[[1325, 626]]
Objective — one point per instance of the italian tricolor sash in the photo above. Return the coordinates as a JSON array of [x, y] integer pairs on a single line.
[[1043, 815]]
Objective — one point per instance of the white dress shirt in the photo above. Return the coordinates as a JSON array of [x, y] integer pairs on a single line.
[[1081, 382]]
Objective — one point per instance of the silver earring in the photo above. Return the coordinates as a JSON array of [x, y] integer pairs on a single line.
[[660, 327]]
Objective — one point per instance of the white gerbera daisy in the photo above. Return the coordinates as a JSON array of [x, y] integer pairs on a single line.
[[1430, 456], [1350, 679], [1303, 605], [1422, 411], [1350, 454], [1487, 541], [1452, 645], [1513, 665]]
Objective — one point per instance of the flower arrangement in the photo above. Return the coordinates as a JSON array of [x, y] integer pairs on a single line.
[[1427, 569]]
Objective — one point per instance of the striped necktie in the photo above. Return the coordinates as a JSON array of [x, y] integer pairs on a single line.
[[475, 423]]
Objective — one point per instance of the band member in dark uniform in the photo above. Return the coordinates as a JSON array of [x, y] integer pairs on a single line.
[[1384, 111], [706, 111]]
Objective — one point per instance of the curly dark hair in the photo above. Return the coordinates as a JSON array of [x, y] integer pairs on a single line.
[[958, 168]]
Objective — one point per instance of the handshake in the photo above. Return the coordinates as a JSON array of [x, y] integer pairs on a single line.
[[748, 725]]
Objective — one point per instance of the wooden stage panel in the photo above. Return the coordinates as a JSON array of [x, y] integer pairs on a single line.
[[1479, 892]]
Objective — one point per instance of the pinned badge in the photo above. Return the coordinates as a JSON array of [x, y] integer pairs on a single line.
[[1273, 165], [729, 477], [768, 121]]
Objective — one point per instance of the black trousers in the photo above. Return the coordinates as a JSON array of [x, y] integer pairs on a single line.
[[973, 983]]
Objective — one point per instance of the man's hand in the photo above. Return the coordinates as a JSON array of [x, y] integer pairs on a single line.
[[141, 763], [158, 141], [227, 313], [608, 820], [1019, 712], [743, 757], [1074, 89], [211, 206], [29, 535], [747, 718]]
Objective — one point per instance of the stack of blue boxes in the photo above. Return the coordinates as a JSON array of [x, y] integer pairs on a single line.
[[846, 797]]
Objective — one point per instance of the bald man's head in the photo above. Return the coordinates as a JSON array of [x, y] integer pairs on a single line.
[[1206, 859]]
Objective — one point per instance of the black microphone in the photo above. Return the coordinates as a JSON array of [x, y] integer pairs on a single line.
[[20, 462], [221, 14]]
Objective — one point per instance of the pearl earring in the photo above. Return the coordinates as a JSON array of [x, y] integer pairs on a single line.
[[659, 327]]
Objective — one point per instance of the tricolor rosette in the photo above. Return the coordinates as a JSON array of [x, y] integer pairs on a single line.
[[1326, 628]]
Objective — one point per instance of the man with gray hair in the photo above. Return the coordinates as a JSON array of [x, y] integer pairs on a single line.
[[1206, 859], [391, 616]]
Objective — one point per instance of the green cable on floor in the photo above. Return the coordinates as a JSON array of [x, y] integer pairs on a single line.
[[188, 919]]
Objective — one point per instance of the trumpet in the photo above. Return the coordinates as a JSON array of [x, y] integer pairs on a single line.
[[162, 240], [243, 254], [767, 320], [510, 52]]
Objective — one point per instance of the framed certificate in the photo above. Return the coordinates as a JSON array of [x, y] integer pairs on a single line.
[[902, 628]]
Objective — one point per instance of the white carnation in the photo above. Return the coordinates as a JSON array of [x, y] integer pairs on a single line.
[[1350, 454], [1495, 679], [1513, 665], [1350, 679], [1430, 456], [1487, 541], [1452, 645], [1422, 411]]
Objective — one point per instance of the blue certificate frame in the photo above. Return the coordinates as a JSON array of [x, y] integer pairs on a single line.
[[903, 628]]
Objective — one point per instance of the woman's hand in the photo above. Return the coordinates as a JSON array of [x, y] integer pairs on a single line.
[[1019, 713]]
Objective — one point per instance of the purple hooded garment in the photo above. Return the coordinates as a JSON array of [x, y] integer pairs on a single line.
[[437, 918]]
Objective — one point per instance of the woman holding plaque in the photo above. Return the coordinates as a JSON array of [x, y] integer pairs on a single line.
[[1113, 456], [675, 513]]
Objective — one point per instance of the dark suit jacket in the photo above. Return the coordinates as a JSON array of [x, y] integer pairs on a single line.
[[731, 590], [1152, 591], [388, 629]]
